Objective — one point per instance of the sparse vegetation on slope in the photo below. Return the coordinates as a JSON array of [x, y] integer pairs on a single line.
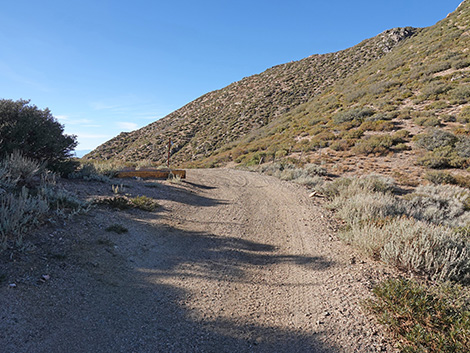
[[382, 112], [213, 121]]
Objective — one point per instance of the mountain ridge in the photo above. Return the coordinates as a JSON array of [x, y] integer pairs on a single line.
[[367, 109], [233, 111]]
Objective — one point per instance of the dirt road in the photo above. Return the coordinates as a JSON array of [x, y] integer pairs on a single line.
[[232, 262]]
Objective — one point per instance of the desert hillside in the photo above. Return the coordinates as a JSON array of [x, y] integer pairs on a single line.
[[218, 118], [370, 108]]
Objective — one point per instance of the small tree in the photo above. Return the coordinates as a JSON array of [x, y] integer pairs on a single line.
[[36, 133]]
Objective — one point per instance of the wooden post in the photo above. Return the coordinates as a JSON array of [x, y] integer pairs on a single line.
[[169, 150]]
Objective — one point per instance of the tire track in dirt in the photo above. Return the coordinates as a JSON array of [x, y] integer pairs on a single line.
[[232, 262]]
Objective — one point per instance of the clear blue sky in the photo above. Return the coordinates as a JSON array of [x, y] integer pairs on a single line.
[[108, 66]]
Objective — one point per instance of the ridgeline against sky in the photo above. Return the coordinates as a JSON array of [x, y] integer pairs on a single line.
[[111, 66]]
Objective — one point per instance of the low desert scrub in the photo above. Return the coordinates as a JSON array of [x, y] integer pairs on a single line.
[[440, 177], [89, 172], [62, 201], [117, 228], [18, 214], [378, 144], [431, 250], [144, 203], [347, 187], [174, 179], [108, 168], [18, 171], [435, 138], [439, 204], [123, 202], [353, 114], [28, 196], [421, 318], [443, 157], [413, 246], [310, 175], [415, 233], [444, 149], [357, 208]]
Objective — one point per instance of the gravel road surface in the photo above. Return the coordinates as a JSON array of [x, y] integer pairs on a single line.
[[232, 262]]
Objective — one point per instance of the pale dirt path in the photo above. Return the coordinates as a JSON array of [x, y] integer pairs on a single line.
[[233, 262]]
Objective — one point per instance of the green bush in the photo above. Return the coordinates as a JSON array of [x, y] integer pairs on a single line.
[[353, 114], [439, 177], [461, 94], [119, 202], [423, 319], [379, 144], [88, 171], [36, 134], [427, 121], [144, 203], [435, 138], [443, 157], [123, 203], [18, 214], [462, 147]]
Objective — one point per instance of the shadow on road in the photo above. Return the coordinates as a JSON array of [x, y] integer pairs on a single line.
[[121, 297]]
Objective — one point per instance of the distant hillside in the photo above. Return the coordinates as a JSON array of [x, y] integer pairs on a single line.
[[400, 115], [220, 117], [396, 104]]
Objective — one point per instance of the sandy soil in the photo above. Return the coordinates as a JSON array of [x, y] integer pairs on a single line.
[[232, 262]]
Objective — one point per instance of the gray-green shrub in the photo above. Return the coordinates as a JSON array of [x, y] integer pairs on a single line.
[[439, 204], [435, 138], [18, 214]]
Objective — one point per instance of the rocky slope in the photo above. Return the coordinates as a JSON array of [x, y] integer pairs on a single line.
[[396, 104], [223, 116]]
